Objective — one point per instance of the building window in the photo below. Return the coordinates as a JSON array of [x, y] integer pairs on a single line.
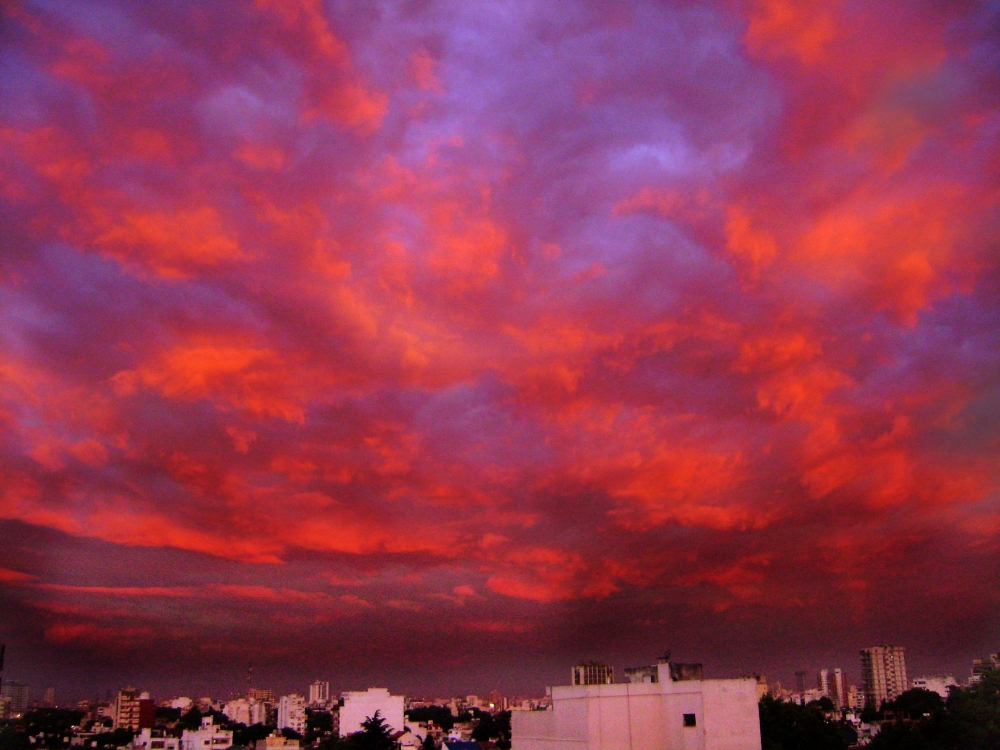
[[690, 720]]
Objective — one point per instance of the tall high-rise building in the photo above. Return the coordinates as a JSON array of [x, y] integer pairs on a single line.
[[49, 701], [593, 673], [16, 694], [800, 681], [292, 713], [883, 670], [824, 682], [319, 693], [262, 695], [839, 688], [855, 698], [833, 686], [126, 709], [133, 710]]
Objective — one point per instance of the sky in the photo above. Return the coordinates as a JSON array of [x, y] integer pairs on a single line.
[[441, 345]]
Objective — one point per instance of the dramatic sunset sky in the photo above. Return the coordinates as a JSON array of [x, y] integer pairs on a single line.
[[440, 345]]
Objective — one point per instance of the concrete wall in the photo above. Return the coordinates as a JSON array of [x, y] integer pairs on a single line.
[[360, 706], [732, 719], [644, 716]]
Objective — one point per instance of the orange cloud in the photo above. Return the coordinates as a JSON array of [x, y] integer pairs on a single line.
[[467, 249], [752, 246], [14, 576], [458, 348], [88, 633], [307, 17], [262, 156], [802, 29], [891, 248], [246, 378], [174, 245], [351, 104]]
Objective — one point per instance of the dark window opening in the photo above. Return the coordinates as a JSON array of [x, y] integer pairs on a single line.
[[690, 720]]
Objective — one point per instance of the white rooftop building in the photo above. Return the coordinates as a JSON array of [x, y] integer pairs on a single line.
[[243, 711], [147, 739], [276, 741], [319, 693], [292, 713], [209, 737], [937, 685], [361, 705], [680, 711]]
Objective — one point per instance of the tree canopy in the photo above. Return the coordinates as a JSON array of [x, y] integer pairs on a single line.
[[968, 720], [190, 720], [914, 704], [440, 715], [375, 734], [789, 726], [247, 736]]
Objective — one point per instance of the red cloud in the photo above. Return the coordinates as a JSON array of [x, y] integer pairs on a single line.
[[172, 243], [244, 377], [520, 314], [14, 576]]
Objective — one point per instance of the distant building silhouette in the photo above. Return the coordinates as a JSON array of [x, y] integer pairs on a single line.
[[982, 666], [839, 689], [800, 681], [319, 693], [824, 681], [16, 694]]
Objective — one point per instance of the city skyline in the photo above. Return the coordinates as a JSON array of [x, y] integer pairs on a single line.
[[446, 345], [838, 680]]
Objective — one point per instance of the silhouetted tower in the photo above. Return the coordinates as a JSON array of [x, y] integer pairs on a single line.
[[800, 681]]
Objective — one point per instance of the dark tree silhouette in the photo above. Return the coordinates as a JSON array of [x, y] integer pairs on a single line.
[[823, 704], [440, 715], [190, 720], [247, 736], [789, 726], [969, 720], [50, 727], [375, 734], [915, 703]]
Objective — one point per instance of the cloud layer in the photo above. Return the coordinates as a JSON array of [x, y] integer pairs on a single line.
[[573, 330]]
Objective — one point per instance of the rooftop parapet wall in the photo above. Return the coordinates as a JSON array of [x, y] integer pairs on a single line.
[[685, 714]]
